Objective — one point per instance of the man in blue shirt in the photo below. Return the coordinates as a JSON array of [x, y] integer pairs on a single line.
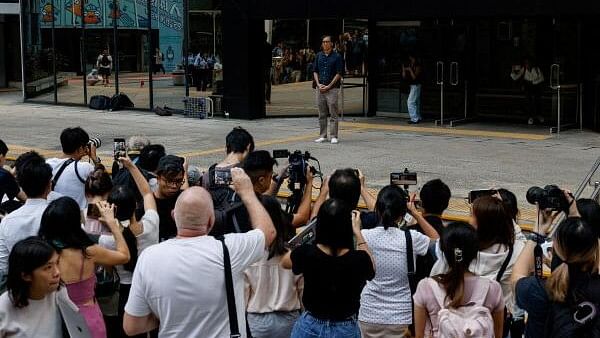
[[327, 74]]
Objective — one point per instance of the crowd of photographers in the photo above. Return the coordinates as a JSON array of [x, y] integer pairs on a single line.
[[160, 248]]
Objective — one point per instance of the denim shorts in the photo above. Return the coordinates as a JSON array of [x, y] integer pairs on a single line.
[[307, 326]]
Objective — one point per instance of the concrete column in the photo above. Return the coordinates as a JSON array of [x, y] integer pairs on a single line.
[[3, 68]]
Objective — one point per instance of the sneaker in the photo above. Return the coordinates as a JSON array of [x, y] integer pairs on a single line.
[[334, 140], [320, 140], [530, 121]]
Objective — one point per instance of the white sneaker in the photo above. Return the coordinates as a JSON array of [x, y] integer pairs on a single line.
[[320, 140], [334, 140]]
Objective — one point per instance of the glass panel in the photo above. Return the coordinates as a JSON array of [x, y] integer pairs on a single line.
[[39, 65], [167, 57]]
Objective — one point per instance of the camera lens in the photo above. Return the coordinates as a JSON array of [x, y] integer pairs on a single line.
[[534, 195], [95, 141]]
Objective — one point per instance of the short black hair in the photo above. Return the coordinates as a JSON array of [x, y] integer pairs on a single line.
[[345, 185], [334, 225], [124, 200], [258, 163], [3, 148], [435, 196], [33, 174], [72, 139], [26, 256], [238, 140], [170, 166], [150, 155]]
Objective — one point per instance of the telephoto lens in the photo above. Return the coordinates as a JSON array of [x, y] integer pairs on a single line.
[[95, 141]]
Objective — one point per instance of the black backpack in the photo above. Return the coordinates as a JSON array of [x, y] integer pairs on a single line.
[[579, 316], [225, 203], [120, 101], [100, 102]]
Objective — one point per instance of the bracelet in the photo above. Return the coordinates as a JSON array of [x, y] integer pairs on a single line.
[[361, 243]]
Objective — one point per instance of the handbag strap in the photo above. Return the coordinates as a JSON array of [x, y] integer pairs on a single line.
[[504, 264], [233, 320], [410, 265], [60, 171]]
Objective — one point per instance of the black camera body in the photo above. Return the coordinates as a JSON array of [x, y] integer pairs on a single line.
[[549, 197], [298, 162]]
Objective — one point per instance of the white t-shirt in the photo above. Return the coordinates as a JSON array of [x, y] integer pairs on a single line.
[[41, 318], [148, 237], [18, 225], [181, 281], [386, 299], [68, 183]]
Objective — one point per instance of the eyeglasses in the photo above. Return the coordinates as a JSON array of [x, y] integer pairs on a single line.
[[174, 182]]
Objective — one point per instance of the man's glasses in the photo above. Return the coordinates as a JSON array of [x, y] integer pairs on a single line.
[[174, 182]]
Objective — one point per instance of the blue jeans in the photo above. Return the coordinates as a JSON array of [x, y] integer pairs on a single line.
[[308, 326], [414, 103]]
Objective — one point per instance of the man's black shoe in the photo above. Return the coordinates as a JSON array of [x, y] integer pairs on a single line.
[[413, 122]]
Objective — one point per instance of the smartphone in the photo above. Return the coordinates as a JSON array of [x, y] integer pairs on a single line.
[[281, 153], [222, 176], [475, 194], [403, 178], [119, 148], [92, 221]]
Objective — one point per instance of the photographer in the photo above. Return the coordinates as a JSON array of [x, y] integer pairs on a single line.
[[553, 305], [171, 173], [335, 273], [33, 174], [69, 175], [498, 249], [435, 197], [343, 184], [385, 303], [238, 144]]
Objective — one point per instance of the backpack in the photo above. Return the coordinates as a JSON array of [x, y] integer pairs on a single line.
[[100, 102], [105, 62], [225, 203], [120, 101], [470, 320], [561, 321]]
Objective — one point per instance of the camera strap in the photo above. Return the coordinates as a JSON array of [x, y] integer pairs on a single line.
[[504, 264], [60, 171], [538, 259], [233, 320]]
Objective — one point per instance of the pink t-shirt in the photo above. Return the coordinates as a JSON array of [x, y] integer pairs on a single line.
[[424, 298]]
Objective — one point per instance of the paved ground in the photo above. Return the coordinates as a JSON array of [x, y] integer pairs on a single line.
[[471, 157]]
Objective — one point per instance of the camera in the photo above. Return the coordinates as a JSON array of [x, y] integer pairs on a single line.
[[297, 166], [475, 194], [222, 176], [549, 197], [95, 141], [119, 148], [404, 178]]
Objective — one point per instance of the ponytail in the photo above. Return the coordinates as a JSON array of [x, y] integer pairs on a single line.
[[558, 283], [459, 246]]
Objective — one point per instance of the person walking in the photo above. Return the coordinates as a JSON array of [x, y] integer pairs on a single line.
[[327, 75], [104, 65], [412, 74], [159, 57]]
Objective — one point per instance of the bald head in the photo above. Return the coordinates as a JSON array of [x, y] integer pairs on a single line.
[[194, 211]]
